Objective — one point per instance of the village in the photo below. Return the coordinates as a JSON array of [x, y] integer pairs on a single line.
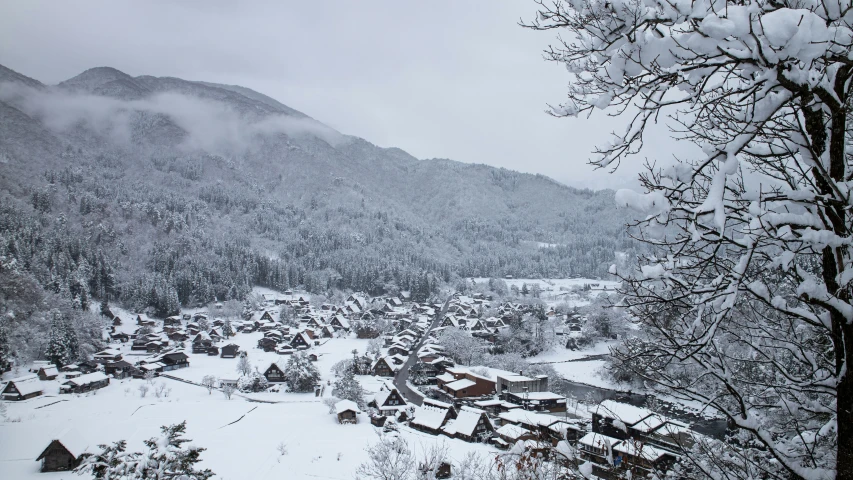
[[393, 345]]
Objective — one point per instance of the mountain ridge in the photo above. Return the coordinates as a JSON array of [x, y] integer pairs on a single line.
[[175, 170]]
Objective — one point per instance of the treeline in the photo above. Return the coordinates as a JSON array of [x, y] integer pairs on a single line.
[[158, 232]]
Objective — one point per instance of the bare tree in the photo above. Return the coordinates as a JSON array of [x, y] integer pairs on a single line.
[[244, 367], [209, 382], [745, 295], [389, 459], [228, 390]]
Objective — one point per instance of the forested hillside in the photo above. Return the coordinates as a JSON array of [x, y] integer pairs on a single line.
[[160, 192]]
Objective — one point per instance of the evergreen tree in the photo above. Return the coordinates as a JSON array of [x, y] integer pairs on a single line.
[[62, 344], [348, 388], [300, 373], [166, 457], [5, 351], [227, 329]]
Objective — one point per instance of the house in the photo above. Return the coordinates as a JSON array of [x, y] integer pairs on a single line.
[[119, 370], [347, 411], [327, 331], [108, 355], [48, 373], [398, 349], [174, 361], [22, 388], [174, 321], [388, 402], [340, 323], [274, 374], [230, 351], [471, 425], [545, 427], [267, 344], [495, 407], [430, 419], [511, 433], [85, 383], [383, 367], [120, 337], [538, 401], [202, 342], [143, 320], [301, 341], [64, 452], [623, 421], [266, 317], [461, 382], [508, 383]]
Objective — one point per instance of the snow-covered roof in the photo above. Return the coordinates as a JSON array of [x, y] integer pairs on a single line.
[[51, 370], [73, 441], [346, 405], [446, 377], [110, 352], [598, 440], [628, 414], [382, 396], [27, 384], [465, 423], [460, 384], [429, 417], [436, 403], [644, 451], [517, 378], [151, 366], [528, 417], [512, 432], [542, 396], [88, 378]]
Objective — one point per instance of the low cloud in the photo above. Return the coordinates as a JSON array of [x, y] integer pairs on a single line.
[[209, 125]]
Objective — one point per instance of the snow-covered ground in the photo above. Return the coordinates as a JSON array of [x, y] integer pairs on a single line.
[[317, 446], [561, 290]]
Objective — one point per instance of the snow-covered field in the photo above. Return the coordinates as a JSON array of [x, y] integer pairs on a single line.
[[559, 290], [317, 446]]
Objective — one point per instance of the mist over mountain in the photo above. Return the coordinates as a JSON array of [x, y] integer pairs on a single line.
[[163, 190]]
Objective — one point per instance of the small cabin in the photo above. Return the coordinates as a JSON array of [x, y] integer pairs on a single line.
[[230, 351], [63, 453], [48, 373], [347, 411]]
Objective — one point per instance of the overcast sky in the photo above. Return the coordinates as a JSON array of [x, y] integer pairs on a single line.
[[441, 78]]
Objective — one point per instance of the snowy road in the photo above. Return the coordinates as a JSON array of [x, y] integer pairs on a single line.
[[402, 378]]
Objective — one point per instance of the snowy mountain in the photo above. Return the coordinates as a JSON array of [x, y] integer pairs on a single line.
[[207, 188]]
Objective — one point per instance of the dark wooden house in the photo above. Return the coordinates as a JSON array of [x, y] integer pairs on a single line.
[[274, 374], [230, 351], [382, 368], [347, 411], [22, 388], [119, 370], [85, 383], [63, 453]]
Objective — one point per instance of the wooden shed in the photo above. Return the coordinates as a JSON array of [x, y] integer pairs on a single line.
[[347, 411], [63, 453]]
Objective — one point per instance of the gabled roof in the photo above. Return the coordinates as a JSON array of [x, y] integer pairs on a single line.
[[627, 414], [513, 432], [71, 439], [87, 379], [381, 397], [430, 417], [345, 406], [460, 384], [27, 384], [466, 422]]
